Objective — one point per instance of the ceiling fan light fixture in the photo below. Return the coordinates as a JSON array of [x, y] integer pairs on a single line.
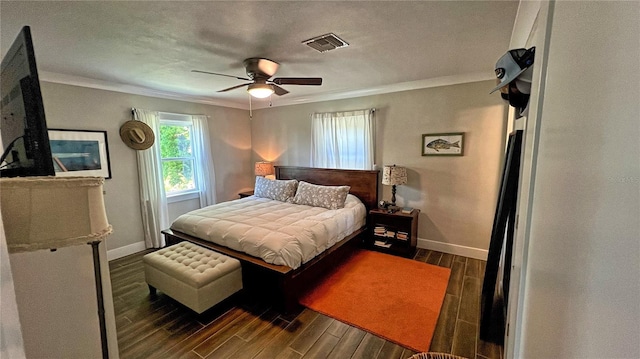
[[260, 90]]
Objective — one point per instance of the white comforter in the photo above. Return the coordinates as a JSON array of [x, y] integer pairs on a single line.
[[278, 232]]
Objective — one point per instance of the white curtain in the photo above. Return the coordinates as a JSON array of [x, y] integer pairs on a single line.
[[206, 178], [342, 140], [153, 201]]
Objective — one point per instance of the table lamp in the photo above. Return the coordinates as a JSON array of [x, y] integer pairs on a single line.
[[55, 212], [264, 169], [394, 176]]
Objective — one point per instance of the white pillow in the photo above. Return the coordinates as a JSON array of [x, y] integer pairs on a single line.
[[280, 190], [329, 197]]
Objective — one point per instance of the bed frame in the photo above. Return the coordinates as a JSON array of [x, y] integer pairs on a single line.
[[283, 285]]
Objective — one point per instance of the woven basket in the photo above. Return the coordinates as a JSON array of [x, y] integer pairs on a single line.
[[435, 356]]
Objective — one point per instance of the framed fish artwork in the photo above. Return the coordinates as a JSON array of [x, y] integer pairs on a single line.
[[443, 144]]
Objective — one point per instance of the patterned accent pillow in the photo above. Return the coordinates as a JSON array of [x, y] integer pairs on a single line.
[[329, 197], [275, 189]]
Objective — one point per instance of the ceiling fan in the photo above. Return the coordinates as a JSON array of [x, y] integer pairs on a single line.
[[259, 72]]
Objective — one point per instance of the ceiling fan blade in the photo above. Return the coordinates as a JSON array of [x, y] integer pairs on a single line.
[[279, 90], [215, 73], [234, 87], [312, 81]]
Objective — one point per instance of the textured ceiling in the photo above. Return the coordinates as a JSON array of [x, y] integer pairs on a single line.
[[150, 47]]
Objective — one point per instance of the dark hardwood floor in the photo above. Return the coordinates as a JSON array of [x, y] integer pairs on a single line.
[[241, 327]]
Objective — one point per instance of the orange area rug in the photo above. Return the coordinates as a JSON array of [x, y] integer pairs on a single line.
[[396, 298]]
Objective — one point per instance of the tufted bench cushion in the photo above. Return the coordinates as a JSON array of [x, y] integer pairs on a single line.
[[194, 276]]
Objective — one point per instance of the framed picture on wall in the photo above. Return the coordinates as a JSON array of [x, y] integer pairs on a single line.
[[443, 144], [80, 153]]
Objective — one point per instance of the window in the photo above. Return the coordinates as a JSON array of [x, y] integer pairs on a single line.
[[342, 140], [183, 145], [177, 154]]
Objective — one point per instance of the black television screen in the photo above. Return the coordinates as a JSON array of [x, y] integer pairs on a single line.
[[23, 127]]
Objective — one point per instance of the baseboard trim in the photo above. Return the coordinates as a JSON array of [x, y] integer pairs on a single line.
[[453, 249], [125, 251]]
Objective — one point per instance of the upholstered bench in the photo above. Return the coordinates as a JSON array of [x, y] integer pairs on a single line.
[[195, 276]]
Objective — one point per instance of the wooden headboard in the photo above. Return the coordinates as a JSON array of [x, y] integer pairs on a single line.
[[364, 184]]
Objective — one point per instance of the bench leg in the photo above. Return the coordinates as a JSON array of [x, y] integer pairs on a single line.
[[152, 290]]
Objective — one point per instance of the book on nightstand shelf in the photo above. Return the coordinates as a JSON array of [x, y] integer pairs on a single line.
[[393, 232], [382, 244]]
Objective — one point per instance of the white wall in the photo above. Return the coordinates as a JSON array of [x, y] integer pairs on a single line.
[[456, 195], [72, 107], [57, 305], [11, 343], [581, 292], [455, 217]]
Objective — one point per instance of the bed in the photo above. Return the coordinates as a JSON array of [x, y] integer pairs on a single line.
[[283, 284]]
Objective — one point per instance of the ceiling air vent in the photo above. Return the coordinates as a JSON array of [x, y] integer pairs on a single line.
[[326, 42]]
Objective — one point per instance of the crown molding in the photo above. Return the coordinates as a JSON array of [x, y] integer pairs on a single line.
[[335, 95], [134, 90], [399, 87]]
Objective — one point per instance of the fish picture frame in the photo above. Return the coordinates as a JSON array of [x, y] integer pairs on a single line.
[[443, 144]]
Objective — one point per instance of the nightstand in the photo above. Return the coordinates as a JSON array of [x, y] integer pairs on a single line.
[[245, 194], [393, 233]]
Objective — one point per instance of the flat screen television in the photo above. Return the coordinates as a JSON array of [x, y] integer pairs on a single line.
[[23, 127]]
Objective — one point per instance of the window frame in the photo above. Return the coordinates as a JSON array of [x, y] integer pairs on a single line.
[[171, 119]]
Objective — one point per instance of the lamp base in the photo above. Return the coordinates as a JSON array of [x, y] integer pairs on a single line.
[[393, 195], [97, 272]]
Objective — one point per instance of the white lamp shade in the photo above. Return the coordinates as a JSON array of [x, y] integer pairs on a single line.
[[264, 169], [260, 90], [52, 212], [393, 175]]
